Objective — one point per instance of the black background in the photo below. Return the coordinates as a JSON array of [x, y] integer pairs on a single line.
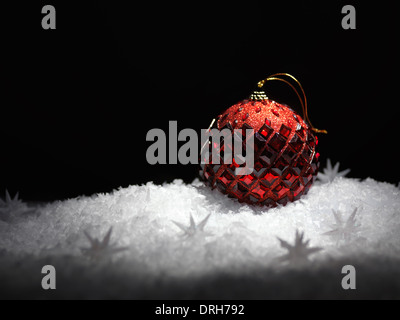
[[77, 102]]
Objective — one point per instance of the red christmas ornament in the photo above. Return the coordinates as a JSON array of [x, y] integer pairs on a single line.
[[285, 157]]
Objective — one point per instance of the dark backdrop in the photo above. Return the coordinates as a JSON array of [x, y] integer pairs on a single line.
[[77, 102]]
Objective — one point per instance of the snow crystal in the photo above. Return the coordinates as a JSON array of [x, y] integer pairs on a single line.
[[343, 231], [193, 229], [241, 241], [100, 249], [298, 254], [330, 173]]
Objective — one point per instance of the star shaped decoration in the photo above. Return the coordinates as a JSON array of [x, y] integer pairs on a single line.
[[299, 252], [11, 206], [100, 249], [194, 229], [343, 230], [10, 202], [330, 173]]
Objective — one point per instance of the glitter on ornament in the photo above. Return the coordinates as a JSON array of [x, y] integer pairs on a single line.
[[285, 157]]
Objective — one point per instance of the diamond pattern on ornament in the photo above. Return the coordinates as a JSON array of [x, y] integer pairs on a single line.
[[285, 158]]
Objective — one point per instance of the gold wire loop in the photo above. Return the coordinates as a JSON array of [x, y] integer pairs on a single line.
[[303, 103]]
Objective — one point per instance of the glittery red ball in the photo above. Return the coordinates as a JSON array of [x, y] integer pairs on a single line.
[[285, 157]]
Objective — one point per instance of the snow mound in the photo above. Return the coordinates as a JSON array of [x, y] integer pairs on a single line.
[[354, 222]]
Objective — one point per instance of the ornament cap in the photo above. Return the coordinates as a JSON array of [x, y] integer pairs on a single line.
[[258, 96]]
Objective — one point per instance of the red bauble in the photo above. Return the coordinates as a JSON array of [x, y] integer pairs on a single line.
[[285, 157]]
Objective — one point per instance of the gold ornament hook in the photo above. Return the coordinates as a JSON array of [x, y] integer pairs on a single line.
[[303, 104]]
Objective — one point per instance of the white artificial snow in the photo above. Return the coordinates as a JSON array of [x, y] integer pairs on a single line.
[[237, 238]]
